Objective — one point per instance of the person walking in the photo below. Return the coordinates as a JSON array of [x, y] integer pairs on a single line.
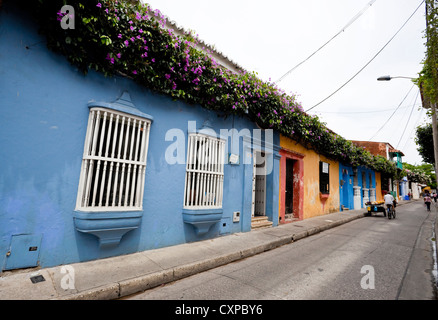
[[427, 201]]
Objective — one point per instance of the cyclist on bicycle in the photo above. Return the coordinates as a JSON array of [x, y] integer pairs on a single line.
[[389, 201]]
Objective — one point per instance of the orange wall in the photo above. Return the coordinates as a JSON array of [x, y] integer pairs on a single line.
[[313, 204], [379, 196]]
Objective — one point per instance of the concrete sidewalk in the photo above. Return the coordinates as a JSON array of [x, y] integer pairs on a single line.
[[112, 278]]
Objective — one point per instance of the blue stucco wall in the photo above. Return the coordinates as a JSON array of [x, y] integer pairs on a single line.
[[42, 131], [346, 191]]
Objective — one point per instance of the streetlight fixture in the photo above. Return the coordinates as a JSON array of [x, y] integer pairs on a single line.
[[426, 105], [387, 78]]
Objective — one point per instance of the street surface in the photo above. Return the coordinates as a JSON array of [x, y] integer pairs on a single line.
[[372, 258]]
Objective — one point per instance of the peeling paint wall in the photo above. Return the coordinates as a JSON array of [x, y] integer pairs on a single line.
[[314, 204]]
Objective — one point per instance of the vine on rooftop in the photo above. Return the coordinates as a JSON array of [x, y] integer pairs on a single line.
[[121, 37]]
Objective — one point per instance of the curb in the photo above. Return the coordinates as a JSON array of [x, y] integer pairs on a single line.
[[142, 283]]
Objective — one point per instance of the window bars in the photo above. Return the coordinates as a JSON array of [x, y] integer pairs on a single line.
[[114, 162], [204, 172], [324, 177]]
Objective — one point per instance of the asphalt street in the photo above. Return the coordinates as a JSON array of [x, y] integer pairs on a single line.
[[367, 259]]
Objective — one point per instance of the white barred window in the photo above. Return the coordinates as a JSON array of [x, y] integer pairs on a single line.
[[114, 162], [204, 172]]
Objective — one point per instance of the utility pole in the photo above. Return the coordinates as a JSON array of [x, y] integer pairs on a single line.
[[435, 138], [426, 100]]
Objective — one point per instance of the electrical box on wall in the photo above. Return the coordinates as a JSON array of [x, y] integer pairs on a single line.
[[233, 158], [24, 251], [236, 216]]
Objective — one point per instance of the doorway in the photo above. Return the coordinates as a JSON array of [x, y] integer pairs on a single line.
[[345, 192], [259, 185], [291, 186], [289, 190]]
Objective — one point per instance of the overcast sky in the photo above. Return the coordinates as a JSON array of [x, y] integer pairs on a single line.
[[271, 37]]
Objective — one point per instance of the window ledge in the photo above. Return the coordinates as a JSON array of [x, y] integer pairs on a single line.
[[324, 196], [202, 219], [109, 228]]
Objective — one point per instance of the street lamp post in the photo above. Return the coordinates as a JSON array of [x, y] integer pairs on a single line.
[[387, 78], [427, 105]]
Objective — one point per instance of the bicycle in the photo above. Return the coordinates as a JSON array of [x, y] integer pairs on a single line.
[[391, 211]]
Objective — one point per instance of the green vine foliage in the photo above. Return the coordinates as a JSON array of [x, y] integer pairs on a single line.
[[424, 141], [428, 78], [128, 38]]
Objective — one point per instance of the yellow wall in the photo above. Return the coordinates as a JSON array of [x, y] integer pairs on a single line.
[[379, 196], [313, 205]]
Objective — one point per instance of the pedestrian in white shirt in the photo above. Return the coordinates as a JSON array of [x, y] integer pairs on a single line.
[[389, 201]]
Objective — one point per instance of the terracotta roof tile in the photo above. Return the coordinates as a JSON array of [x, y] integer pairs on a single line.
[[375, 148]]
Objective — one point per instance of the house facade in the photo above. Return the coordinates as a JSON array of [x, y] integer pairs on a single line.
[[97, 166], [358, 185], [309, 182], [397, 188], [312, 184]]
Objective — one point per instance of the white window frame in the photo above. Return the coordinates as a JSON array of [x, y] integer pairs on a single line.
[[204, 180], [115, 158]]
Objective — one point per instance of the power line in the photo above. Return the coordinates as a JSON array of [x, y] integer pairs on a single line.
[[366, 65], [408, 119], [413, 128], [362, 112], [392, 113], [337, 34]]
